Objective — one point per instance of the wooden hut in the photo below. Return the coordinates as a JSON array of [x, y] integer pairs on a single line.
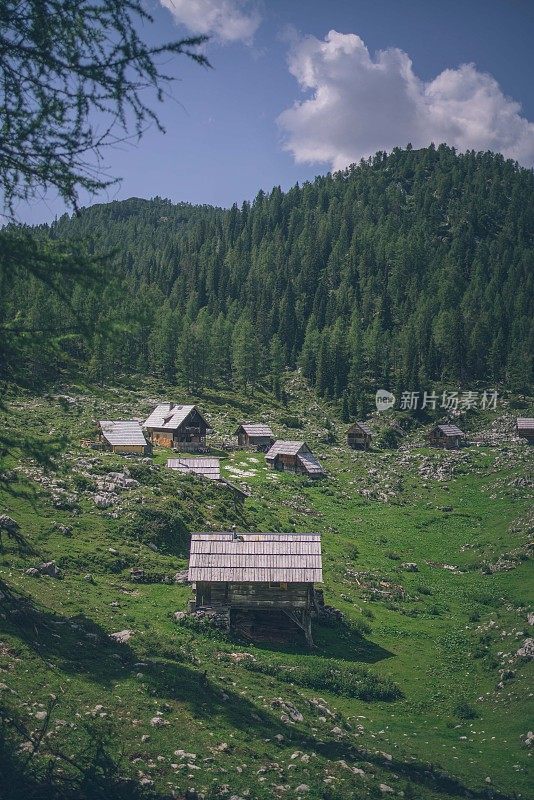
[[294, 457], [123, 436], [525, 427], [178, 426], [255, 435], [447, 436], [359, 436], [258, 580]]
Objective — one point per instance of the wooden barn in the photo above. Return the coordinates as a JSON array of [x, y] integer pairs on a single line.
[[359, 436], [255, 435], [261, 581], [294, 457], [525, 427], [447, 436], [123, 436], [178, 426]]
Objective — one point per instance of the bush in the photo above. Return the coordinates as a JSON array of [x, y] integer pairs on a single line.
[[291, 422], [465, 711], [162, 526], [331, 676]]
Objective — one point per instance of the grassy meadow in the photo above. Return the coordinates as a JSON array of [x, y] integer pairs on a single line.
[[418, 692]]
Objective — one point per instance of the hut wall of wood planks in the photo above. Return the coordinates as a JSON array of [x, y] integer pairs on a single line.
[[257, 436], [525, 428], [359, 436], [182, 427], [448, 436], [273, 573], [290, 456]]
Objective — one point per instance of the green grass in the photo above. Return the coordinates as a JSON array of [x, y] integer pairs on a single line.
[[411, 678]]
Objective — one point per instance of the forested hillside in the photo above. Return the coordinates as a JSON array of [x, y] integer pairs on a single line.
[[405, 271]]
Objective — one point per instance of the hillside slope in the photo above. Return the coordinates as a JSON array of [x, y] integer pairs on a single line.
[[418, 692], [407, 270]]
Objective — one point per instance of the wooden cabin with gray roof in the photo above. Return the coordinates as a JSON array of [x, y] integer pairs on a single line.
[[296, 457], [182, 427], [255, 435], [448, 436], [525, 428], [123, 436], [359, 436], [260, 583]]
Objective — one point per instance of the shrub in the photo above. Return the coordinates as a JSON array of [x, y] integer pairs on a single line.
[[162, 526], [331, 676], [291, 422], [465, 711], [424, 590]]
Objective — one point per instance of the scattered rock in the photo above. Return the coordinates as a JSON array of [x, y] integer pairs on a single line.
[[104, 500], [302, 787], [528, 739], [49, 568], [385, 789], [33, 572], [410, 566], [8, 524], [290, 712], [121, 637], [178, 616], [181, 577], [158, 722], [527, 649]]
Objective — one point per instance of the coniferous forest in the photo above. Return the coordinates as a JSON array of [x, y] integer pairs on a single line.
[[404, 271]]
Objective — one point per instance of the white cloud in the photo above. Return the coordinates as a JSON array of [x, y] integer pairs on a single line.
[[361, 104], [227, 20]]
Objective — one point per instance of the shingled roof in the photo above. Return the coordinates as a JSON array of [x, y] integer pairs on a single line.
[[450, 430], [525, 424], [363, 426], [169, 416], [255, 557], [205, 467], [285, 448], [255, 429], [122, 432]]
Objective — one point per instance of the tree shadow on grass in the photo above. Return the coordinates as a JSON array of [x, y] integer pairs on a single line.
[[79, 646]]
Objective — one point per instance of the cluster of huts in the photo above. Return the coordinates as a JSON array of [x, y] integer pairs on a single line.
[[185, 427], [261, 584]]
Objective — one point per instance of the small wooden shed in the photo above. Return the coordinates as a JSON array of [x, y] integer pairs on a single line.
[[525, 427], [257, 579], [256, 435], [123, 436], [447, 436], [292, 456], [182, 427], [359, 436]]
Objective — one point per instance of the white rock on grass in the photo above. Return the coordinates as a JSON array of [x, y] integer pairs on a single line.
[[121, 637]]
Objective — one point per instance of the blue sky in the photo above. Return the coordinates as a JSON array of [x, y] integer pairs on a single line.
[[287, 100]]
